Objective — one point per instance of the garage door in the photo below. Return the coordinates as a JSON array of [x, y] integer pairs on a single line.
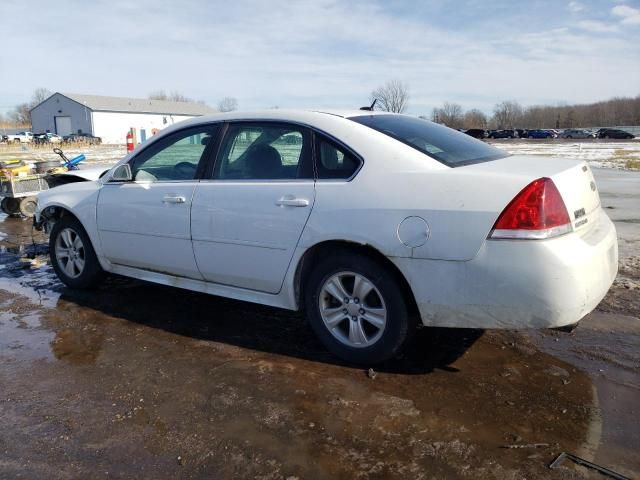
[[63, 125]]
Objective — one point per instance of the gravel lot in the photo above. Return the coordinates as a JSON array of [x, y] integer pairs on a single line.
[[142, 381]]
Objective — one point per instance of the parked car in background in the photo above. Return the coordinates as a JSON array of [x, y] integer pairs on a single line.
[[47, 137], [577, 133], [477, 133], [522, 133], [503, 134], [82, 137], [539, 134], [21, 137], [613, 133], [462, 234]]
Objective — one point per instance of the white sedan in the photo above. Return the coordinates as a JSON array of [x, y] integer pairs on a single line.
[[370, 222]]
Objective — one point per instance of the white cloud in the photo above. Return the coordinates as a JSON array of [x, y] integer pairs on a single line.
[[597, 26], [629, 15], [575, 7], [316, 53]]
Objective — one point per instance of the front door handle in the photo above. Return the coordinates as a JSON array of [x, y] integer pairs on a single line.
[[291, 201], [173, 199]]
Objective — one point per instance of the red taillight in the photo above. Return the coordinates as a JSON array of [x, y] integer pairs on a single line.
[[538, 211]]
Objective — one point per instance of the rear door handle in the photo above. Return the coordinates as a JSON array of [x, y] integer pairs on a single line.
[[173, 199], [291, 201]]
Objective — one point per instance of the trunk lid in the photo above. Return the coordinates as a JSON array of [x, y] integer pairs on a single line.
[[573, 178]]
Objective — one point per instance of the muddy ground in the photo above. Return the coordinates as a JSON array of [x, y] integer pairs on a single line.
[[136, 380]]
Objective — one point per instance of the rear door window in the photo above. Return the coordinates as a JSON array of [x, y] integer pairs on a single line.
[[264, 151]]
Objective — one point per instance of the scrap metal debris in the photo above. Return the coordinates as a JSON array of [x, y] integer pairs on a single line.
[[581, 461], [526, 445]]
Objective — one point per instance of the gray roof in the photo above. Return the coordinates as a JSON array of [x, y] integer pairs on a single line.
[[139, 105]]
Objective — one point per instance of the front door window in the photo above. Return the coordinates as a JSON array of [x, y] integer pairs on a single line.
[[174, 158]]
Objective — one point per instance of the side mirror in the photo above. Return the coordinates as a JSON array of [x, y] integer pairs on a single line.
[[122, 174]]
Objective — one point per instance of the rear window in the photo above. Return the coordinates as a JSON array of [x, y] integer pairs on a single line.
[[441, 143]]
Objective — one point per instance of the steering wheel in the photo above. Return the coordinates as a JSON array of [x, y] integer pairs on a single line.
[[187, 170]]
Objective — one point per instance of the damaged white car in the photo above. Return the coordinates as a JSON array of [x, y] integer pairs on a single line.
[[370, 222]]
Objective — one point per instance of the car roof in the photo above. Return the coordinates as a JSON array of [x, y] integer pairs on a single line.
[[283, 114], [302, 117]]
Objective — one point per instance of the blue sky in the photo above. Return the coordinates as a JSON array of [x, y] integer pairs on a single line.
[[324, 53]]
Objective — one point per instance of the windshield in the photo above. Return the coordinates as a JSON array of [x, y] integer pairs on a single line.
[[441, 143]]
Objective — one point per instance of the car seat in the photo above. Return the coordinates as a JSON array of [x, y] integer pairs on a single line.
[[263, 161]]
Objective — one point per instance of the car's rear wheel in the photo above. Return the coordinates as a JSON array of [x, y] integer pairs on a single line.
[[72, 255], [357, 308]]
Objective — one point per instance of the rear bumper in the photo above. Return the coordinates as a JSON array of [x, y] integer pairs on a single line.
[[518, 284]]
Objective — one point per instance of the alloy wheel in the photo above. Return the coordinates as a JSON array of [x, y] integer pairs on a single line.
[[352, 309], [70, 252]]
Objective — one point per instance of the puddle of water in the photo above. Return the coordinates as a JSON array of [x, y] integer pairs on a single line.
[[23, 338], [33, 290], [607, 347]]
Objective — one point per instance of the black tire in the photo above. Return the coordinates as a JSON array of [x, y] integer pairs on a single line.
[[28, 206], [91, 273], [398, 328], [11, 206]]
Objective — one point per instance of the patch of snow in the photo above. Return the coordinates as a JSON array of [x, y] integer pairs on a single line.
[[601, 154]]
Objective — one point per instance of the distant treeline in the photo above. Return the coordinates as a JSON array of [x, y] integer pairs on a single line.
[[618, 111]]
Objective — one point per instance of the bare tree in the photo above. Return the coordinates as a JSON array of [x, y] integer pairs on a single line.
[[450, 115], [174, 96], [228, 104], [507, 114], [40, 95], [21, 113], [158, 95], [618, 111], [474, 118], [393, 96]]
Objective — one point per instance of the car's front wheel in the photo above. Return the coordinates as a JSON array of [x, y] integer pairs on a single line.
[[357, 309], [72, 255]]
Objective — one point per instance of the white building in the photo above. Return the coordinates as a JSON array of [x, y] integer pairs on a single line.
[[110, 118]]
